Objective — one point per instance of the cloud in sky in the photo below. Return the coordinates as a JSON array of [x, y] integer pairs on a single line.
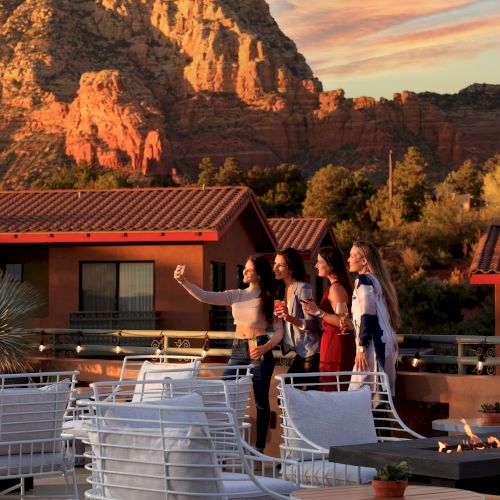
[[347, 41]]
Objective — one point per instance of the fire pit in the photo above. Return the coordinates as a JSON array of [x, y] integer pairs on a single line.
[[476, 470]]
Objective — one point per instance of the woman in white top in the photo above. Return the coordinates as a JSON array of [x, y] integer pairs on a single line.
[[375, 314], [252, 310]]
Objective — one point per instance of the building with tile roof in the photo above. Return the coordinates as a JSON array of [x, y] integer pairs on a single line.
[[485, 267], [105, 258]]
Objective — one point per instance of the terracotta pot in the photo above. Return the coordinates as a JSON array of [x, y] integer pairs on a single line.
[[490, 418], [389, 488]]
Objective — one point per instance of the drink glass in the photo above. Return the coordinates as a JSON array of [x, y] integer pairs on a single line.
[[308, 293], [278, 305], [342, 312]]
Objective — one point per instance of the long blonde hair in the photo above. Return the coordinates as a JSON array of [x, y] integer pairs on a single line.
[[376, 266]]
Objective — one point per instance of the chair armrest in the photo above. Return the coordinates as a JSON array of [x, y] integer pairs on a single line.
[[276, 464]]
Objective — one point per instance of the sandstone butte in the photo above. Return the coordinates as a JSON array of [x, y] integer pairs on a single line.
[[153, 85]]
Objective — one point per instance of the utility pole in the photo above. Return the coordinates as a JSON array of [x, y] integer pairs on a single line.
[[390, 177]]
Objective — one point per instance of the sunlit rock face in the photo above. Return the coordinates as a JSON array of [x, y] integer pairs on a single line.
[[152, 85]]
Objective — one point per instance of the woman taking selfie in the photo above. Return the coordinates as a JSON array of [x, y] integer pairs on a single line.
[[252, 310]]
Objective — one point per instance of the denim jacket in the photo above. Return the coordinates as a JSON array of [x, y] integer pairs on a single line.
[[305, 341]]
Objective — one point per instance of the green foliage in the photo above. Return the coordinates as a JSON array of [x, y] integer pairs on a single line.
[[286, 193], [337, 194], [490, 407], [84, 176], [280, 190], [492, 163], [446, 231], [346, 232], [230, 174], [432, 306], [208, 172], [411, 189], [18, 301], [390, 472], [491, 190], [467, 179]]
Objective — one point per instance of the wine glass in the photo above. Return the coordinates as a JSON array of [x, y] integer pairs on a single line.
[[308, 293], [342, 312]]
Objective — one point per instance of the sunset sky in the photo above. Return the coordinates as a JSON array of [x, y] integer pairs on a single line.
[[378, 47]]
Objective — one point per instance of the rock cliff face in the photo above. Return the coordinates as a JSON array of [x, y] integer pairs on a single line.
[[156, 84]]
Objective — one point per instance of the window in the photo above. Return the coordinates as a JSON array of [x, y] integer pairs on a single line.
[[15, 271], [117, 286], [217, 276]]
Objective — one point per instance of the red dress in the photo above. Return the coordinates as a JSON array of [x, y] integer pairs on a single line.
[[336, 352]]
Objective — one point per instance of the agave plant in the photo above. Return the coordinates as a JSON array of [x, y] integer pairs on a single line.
[[18, 301]]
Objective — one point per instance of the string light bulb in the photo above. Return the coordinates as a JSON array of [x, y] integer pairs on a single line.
[[480, 363], [42, 347], [206, 346], [118, 348], [416, 360], [79, 347], [159, 349]]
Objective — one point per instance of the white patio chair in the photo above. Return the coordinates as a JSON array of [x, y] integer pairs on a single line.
[[32, 411], [312, 420], [140, 367], [176, 448], [216, 388]]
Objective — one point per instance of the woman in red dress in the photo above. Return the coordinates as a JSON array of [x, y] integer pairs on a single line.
[[338, 348]]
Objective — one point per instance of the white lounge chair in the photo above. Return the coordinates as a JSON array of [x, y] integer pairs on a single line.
[[176, 448], [312, 420], [32, 411]]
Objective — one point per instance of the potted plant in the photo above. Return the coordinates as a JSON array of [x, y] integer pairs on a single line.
[[490, 412], [391, 480]]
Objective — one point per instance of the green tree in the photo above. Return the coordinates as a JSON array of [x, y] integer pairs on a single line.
[[286, 191], [84, 176], [492, 163], [491, 183], [230, 174], [337, 194], [208, 171], [411, 189], [467, 179]]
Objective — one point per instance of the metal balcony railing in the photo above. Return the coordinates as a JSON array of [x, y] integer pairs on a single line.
[[462, 354], [132, 320]]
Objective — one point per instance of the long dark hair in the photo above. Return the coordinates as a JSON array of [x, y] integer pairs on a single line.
[[294, 263], [332, 255], [266, 282]]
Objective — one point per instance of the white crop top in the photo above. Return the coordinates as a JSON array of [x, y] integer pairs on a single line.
[[245, 304]]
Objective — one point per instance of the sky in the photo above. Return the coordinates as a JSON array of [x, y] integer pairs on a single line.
[[379, 47]]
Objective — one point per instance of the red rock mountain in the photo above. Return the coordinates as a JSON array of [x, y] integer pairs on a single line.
[[156, 84]]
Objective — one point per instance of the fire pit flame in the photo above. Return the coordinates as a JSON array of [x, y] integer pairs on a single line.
[[475, 442]]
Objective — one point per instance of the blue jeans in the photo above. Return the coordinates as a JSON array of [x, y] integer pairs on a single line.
[[262, 374]]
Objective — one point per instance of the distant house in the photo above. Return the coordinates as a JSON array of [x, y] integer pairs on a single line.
[[105, 258], [485, 267], [307, 235]]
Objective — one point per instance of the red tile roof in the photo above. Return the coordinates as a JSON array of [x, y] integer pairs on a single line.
[[152, 214], [485, 267], [303, 234]]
